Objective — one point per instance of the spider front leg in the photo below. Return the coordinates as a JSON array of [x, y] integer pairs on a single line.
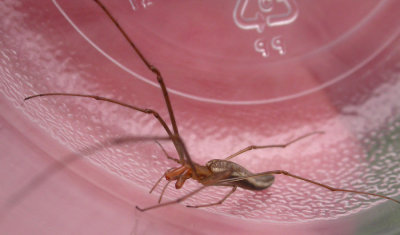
[[166, 154]]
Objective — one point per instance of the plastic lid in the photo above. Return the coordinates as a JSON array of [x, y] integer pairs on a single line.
[[239, 73]]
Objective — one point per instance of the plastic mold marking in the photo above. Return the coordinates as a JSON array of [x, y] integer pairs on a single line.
[[257, 15]]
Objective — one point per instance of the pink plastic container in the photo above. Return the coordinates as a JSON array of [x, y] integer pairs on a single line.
[[239, 73]]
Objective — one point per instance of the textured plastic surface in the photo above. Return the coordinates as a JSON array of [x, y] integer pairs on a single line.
[[239, 73]]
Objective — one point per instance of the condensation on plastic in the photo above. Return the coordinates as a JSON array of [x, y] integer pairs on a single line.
[[234, 80]]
